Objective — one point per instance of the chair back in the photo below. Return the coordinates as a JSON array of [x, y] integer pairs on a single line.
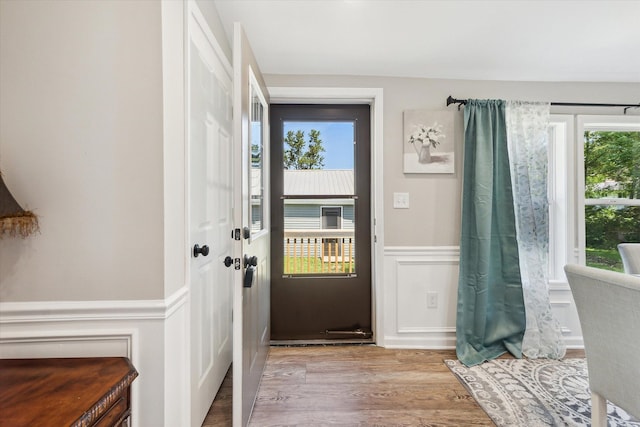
[[608, 305], [630, 254]]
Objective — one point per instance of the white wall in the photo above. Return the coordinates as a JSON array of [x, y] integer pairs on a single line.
[[421, 243], [81, 135]]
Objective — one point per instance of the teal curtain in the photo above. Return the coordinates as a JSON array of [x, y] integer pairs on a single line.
[[490, 312]]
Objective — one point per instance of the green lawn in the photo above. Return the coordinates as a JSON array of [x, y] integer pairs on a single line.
[[299, 265], [608, 259]]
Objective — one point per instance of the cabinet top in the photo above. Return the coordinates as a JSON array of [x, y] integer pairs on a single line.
[[61, 392]]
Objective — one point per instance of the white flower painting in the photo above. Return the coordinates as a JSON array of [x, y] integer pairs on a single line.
[[428, 145]]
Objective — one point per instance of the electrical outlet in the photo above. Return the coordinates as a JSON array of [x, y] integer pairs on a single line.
[[432, 300]]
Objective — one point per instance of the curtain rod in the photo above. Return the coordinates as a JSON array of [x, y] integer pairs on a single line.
[[461, 102]]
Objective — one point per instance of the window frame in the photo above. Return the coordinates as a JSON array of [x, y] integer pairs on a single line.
[[563, 242]]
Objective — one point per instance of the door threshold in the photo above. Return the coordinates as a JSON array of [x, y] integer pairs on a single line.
[[321, 342]]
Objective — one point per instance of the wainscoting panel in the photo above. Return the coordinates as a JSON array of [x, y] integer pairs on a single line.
[[153, 334], [564, 309], [91, 343], [420, 296], [424, 294], [420, 299]]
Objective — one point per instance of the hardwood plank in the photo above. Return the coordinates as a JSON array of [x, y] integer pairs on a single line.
[[360, 385], [220, 413], [431, 418]]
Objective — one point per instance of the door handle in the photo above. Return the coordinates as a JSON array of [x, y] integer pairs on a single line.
[[250, 261], [228, 261], [197, 250], [248, 276]]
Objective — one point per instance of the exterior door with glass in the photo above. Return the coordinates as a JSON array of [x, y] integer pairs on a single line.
[[321, 222]]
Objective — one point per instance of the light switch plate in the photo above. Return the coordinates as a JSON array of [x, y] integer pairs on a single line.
[[401, 200]]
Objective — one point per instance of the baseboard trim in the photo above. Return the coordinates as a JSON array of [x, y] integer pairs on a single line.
[[422, 342]]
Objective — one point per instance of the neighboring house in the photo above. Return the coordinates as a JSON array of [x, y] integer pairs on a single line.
[[318, 214], [331, 218], [315, 225]]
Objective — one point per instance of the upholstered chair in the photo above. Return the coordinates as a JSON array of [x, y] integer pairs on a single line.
[[607, 304], [630, 254]]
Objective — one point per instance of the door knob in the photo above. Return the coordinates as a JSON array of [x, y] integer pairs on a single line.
[[228, 261], [197, 250]]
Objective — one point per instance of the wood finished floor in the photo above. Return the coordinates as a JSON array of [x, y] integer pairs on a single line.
[[356, 386]]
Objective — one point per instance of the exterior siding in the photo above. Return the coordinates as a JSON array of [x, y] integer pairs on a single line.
[[307, 216], [302, 217], [348, 217]]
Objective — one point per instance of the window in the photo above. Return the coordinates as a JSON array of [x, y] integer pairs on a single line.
[[257, 161], [331, 217], [609, 183], [594, 199]]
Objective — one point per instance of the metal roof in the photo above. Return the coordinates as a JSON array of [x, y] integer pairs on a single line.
[[320, 182]]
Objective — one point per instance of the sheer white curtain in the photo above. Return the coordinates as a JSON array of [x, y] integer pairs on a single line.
[[527, 139]]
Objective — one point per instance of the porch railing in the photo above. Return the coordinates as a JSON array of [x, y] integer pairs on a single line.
[[319, 251]]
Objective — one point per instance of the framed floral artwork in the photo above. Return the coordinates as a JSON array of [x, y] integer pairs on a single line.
[[428, 143]]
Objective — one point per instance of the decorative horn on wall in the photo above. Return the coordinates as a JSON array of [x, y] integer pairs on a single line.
[[14, 221]]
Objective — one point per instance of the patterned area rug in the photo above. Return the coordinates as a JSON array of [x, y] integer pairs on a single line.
[[532, 393]]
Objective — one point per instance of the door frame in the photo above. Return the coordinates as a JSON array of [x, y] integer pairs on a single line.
[[373, 97]]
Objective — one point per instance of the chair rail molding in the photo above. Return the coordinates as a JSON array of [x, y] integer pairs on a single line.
[[431, 252], [64, 311]]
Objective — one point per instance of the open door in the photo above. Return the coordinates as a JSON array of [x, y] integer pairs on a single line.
[[251, 294], [210, 214]]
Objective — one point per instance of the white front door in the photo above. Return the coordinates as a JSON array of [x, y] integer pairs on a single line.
[[210, 214], [252, 285]]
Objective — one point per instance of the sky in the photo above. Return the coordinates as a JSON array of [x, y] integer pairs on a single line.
[[337, 139]]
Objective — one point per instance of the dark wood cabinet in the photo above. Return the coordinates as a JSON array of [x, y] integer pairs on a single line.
[[77, 392]]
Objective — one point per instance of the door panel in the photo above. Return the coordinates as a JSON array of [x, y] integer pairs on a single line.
[[251, 302], [210, 216], [321, 223]]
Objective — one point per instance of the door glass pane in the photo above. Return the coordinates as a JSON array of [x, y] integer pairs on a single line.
[[319, 203], [257, 160], [612, 195]]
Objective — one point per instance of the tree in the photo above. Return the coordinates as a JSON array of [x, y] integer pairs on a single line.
[[301, 156], [613, 157], [612, 169]]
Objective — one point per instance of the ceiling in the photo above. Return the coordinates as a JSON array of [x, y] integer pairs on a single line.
[[539, 40]]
